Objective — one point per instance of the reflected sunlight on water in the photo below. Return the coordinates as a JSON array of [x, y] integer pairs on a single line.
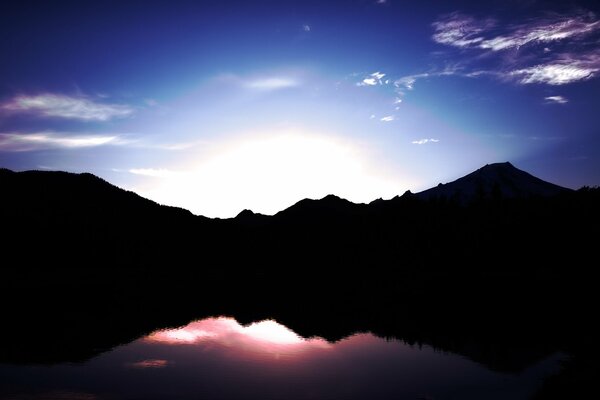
[[265, 336], [219, 358]]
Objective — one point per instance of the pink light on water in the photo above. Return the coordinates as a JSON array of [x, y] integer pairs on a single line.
[[265, 336], [152, 363]]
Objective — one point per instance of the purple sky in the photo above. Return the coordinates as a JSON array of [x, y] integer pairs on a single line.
[[217, 106]]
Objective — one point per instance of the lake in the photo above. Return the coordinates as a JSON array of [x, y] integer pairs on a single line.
[[218, 358]]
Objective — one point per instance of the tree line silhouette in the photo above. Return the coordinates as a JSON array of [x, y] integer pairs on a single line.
[[502, 280]]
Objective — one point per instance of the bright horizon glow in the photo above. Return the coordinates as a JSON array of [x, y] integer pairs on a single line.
[[222, 106], [268, 173]]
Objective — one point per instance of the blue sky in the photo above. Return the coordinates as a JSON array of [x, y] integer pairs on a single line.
[[217, 106]]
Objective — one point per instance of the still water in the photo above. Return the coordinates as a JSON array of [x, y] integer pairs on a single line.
[[217, 358]]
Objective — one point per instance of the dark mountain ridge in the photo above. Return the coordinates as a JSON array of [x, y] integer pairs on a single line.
[[507, 275], [493, 181], [506, 205]]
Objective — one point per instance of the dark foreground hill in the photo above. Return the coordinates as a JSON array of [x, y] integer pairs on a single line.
[[502, 272]]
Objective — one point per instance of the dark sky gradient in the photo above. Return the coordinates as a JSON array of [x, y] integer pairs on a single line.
[[218, 106]]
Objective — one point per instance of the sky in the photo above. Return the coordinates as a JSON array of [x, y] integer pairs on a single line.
[[220, 106]]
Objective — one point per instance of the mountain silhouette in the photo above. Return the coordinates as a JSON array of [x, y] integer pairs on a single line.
[[70, 216], [502, 282], [87, 193], [74, 219], [499, 180]]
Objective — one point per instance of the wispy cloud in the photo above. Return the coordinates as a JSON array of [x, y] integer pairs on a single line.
[[457, 29], [152, 172], [536, 40], [306, 28], [374, 79], [388, 118], [556, 99], [425, 141], [408, 82], [463, 31], [272, 83], [555, 74], [69, 107], [44, 140]]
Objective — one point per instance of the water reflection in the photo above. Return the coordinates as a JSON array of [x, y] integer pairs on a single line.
[[149, 364], [217, 358], [267, 337]]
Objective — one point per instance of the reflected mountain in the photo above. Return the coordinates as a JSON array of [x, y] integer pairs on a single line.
[[265, 336], [496, 269], [219, 358]]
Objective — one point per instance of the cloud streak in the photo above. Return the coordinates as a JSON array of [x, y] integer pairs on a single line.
[[534, 59], [556, 100], [425, 141], [460, 30], [464, 31], [45, 140], [68, 107], [272, 83], [408, 82], [152, 172], [374, 79], [556, 73]]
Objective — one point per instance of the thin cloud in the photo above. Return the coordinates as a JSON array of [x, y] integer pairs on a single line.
[[556, 100], [68, 107], [272, 83], [408, 82], [554, 74], [368, 82], [460, 30], [544, 31], [374, 79], [38, 141], [536, 40], [425, 141], [306, 28], [463, 31], [152, 172], [388, 118]]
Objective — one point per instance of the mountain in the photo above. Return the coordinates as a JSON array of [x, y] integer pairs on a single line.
[[493, 181], [80, 219], [59, 191], [101, 265]]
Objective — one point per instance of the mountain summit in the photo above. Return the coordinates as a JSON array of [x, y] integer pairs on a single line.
[[499, 180]]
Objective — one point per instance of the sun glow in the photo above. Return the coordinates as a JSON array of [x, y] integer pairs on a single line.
[[268, 173]]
